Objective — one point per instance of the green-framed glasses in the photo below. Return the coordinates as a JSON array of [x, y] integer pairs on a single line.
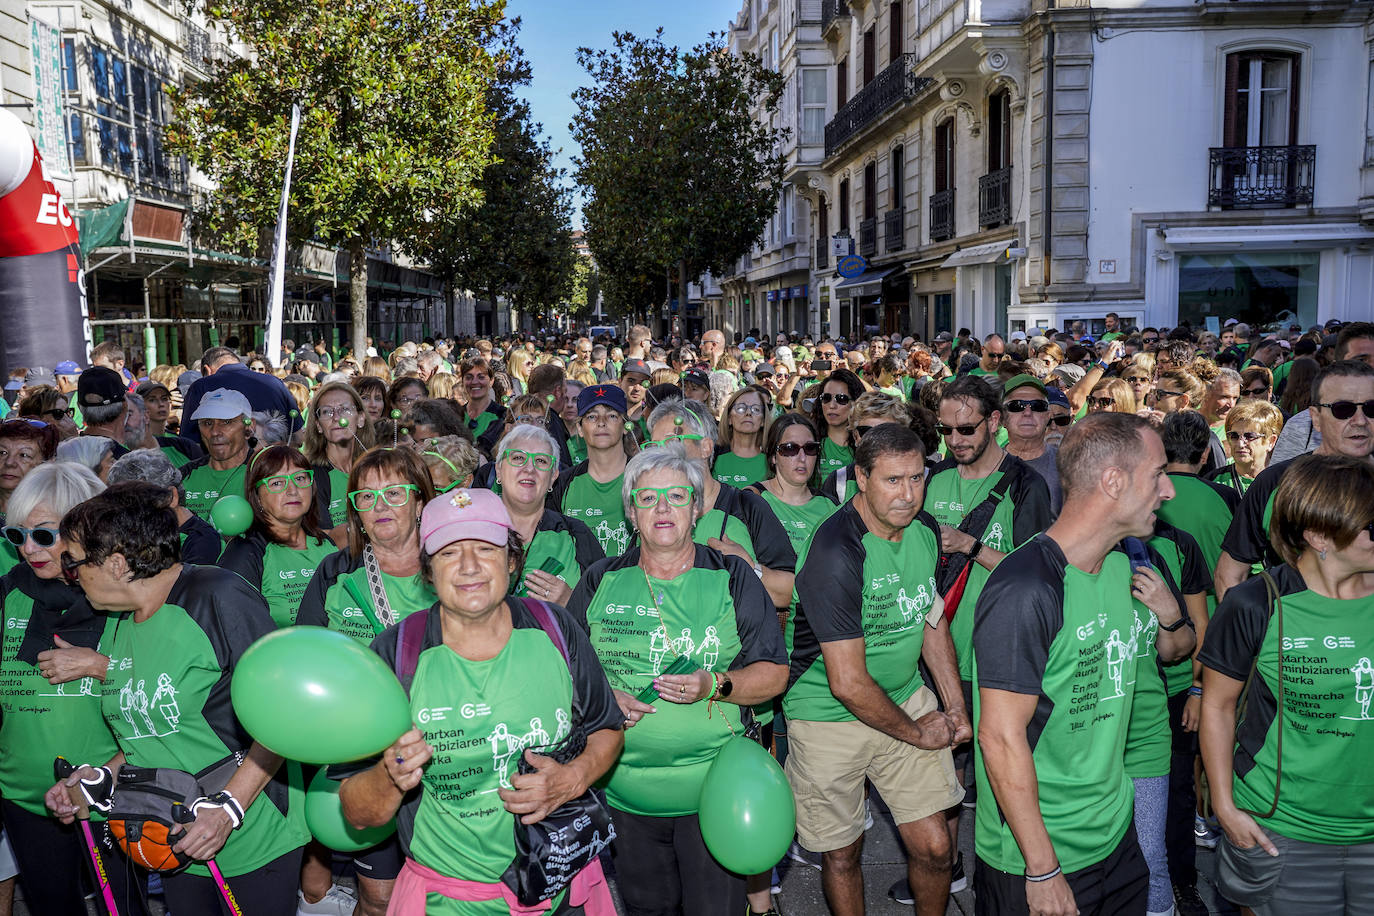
[[518, 458], [277, 483], [647, 497], [680, 437], [457, 478], [395, 496]]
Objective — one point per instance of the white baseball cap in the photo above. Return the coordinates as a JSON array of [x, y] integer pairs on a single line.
[[222, 404]]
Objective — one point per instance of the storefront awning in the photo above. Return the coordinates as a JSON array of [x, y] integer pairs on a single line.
[[868, 283], [979, 254]]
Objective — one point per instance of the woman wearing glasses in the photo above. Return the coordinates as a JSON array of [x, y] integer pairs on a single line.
[[451, 461], [740, 460], [42, 609], [284, 544], [338, 431], [708, 646], [558, 549], [1112, 395], [24, 445], [792, 450], [1140, 375], [1252, 429], [404, 393], [374, 581], [48, 404], [1257, 384], [830, 414]]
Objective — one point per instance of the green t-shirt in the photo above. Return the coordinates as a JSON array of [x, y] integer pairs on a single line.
[[204, 485], [734, 471], [855, 585], [1149, 737], [40, 722], [1049, 630], [1228, 476], [1327, 729], [577, 449], [800, 522], [166, 698], [9, 555], [1281, 373], [286, 573], [349, 607], [175, 455], [599, 507], [1023, 513], [1202, 509], [338, 497], [833, 457], [717, 615]]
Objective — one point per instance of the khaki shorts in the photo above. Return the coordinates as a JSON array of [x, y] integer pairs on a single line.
[[827, 763]]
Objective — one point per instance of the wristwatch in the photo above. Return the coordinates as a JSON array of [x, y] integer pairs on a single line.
[[723, 685]]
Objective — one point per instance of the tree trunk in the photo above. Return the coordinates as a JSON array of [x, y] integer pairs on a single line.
[[357, 298]]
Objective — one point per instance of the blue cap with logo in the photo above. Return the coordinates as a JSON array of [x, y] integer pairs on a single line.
[[612, 396]]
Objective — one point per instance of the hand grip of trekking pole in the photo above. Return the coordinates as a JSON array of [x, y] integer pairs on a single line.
[[61, 769]]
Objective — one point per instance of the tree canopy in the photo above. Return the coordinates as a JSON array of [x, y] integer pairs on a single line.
[[680, 172]]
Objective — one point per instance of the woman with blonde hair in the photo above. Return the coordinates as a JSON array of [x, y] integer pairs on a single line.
[[744, 422], [337, 431], [444, 385], [1140, 375], [1252, 429], [451, 461], [1112, 395], [376, 366]]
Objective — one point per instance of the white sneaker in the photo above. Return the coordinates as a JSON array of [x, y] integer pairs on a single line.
[[796, 853], [868, 815], [337, 902]]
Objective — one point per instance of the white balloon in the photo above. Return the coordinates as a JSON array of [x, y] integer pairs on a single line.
[[16, 152]]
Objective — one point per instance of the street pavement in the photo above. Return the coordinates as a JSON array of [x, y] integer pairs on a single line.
[[883, 861]]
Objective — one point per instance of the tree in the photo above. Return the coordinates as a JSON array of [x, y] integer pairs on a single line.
[[586, 288], [518, 242], [680, 174], [394, 122]]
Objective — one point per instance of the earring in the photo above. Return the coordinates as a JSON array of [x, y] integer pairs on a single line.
[[1321, 554]]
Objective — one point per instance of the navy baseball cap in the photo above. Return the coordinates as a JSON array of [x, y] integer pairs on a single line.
[[612, 396], [696, 376], [1057, 397]]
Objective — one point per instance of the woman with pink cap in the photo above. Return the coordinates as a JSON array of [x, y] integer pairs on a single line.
[[498, 686]]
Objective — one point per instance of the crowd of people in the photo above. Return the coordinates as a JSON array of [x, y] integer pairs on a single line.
[[1108, 597]]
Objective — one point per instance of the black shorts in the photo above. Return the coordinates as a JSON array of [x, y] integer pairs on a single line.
[[1117, 886], [382, 862]]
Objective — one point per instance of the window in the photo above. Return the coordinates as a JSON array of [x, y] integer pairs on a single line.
[[1261, 105], [813, 106], [823, 221], [842, 82], [78, 139], [871, 191], [844, 206], [895, 38], [789, 213], [999, 131], [897, 179], [870, 53], [69, 64], [774, 60], [944, 155]]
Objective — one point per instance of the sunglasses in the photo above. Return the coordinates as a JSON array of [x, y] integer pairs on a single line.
[[1253, 392], [43, 537], [1344, 410], [861, 431], [1101, 403], [840, 399], [793, 449], [70, 565], [1017, 406], [1061, 421], [648, 497], [944, 430], [58, 415], [1161, 393], [1138, 379], [1248, 437]]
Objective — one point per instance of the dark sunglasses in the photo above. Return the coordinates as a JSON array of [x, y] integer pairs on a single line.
[[1138, 379], [1101, 403], [1344, 410], [57, 414], [861, 431], [1253, 392], [840, 399], [70, 566], [43, 537], [793, 449], [944, 430], [1036, 405], [1061, 421], [1161, 393]]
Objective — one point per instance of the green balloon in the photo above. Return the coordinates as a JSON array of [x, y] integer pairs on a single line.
[[318, 696], [231, 515], [324, 816], [748, 815]]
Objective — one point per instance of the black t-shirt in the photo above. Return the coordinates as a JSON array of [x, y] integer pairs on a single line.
[[200, 542], [1247, 540]]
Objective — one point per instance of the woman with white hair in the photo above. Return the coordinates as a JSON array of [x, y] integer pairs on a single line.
[[710, 639], [558, 549], [41, 722], [93, 452]]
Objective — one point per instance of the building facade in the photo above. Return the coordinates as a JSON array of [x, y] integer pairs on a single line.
[[1005, 165]]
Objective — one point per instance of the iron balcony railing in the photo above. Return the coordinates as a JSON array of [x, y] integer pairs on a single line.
[[994, 198], [942, 215], [897, 83], [832, 10], [894, 229], [1260, 177], [822, 253], [868, 237]]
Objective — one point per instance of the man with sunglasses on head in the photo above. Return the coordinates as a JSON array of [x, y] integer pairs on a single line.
[[1026, 407], [1342, 412], [589, 491]]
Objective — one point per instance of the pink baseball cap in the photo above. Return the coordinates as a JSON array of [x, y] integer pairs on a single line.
[[464, 515]]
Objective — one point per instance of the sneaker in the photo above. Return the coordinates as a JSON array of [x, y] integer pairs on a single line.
[[775, 884], [337, 902], [772, 911], [1189, 902], [868, 815], [801, 856], [1204, 832], [958, 881], [901, 892]]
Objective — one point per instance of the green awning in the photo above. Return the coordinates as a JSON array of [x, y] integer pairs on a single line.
[[101, 228]]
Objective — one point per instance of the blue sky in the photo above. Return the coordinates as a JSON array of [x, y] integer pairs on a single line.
[[552, 31]]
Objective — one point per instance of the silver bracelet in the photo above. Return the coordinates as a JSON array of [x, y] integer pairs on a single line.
[[1037, 879]]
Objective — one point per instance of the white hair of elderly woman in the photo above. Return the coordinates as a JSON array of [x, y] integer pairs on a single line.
[[58, 485], [528, 432], [88, 451]]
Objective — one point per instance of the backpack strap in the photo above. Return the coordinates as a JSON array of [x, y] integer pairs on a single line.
[[982, 514], [548, 622], [409, 641]]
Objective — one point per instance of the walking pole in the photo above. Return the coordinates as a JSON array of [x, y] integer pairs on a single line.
[[182, 815], [62, 769]]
